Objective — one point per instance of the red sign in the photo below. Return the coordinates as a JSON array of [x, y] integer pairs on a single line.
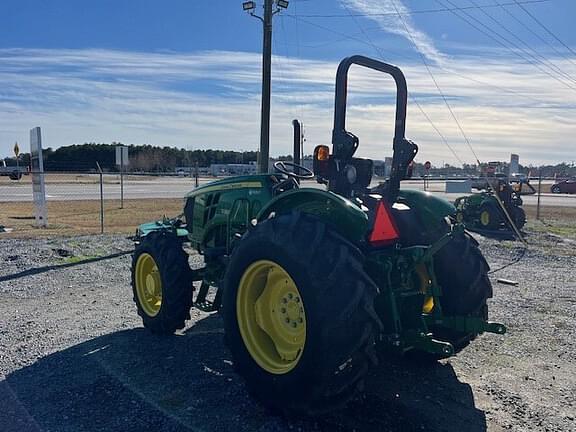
[[427, 165]]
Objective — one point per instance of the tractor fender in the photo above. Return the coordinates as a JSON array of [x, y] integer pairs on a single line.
[[342, 214], [431, 209]]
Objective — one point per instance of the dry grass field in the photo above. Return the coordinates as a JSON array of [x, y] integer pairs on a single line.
[[83, 217]]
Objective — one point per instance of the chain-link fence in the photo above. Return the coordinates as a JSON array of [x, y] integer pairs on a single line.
[[90, 203]]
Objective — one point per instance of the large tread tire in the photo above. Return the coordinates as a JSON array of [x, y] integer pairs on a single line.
[[176, 277], [341, 324], [518, 215], [462, 272], [494, 216]]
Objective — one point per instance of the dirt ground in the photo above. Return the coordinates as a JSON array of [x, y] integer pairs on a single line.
[[74, 356]]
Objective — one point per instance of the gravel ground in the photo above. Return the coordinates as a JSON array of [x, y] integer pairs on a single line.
[[74, 356]]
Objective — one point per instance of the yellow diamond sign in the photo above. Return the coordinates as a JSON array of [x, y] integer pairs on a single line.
[[16, 149]]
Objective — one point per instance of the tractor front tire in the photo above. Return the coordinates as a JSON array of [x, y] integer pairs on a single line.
[[162, 283], [462, 272], [489, 217], [298, 315]]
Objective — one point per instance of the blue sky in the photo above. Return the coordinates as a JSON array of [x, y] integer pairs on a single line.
[[187, 74]]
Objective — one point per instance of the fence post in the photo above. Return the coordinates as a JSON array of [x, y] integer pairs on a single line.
[[101, 198], [196, 173], [539, 192], [121, 179]]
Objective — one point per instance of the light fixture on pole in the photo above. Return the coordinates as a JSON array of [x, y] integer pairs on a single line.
[[282, 4], [249, 6]]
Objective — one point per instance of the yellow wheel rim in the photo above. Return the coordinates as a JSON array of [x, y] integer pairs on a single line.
[[485, 218], [271, 317], [148, 284], [425, 282]]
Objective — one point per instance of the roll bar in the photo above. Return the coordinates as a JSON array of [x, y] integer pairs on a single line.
[[345, 143]]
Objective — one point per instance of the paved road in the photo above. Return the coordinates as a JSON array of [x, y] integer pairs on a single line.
[[175, 187]]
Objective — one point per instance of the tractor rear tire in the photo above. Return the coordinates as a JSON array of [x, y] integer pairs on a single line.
[[340, 324], [518, 215], [462, 272], [162, 283]]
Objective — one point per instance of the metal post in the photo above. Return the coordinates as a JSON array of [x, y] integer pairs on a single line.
[[264, 154], [121, 177], [539, 192], [196, 174], [101, 199]]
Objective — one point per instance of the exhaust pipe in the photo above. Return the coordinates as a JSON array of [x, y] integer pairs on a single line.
[[297, 140]]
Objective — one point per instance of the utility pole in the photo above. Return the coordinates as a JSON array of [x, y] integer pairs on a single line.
[[249, 6], [266, 79]]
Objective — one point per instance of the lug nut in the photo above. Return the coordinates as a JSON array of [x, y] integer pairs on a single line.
[[287, 320], [290, 296], [294, 324], [284, 300], [283, 310]]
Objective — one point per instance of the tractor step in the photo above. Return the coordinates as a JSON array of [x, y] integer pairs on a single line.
[[202, 303], [206, 306]]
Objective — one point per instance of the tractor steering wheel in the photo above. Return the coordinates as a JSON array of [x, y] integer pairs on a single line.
[[281, 166]]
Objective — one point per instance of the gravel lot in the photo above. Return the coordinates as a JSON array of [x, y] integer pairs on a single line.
[[74, 356]]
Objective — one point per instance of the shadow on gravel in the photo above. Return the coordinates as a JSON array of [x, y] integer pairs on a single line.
[[134, 381], [499, 235], [44, 269]]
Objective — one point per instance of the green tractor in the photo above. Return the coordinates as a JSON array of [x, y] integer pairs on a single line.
[[313, 282], [483, 211]]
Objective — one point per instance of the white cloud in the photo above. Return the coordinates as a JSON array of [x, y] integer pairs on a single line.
[[391, 22], [211, 100]]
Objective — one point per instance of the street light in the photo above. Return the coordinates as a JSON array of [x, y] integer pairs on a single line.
[[282, 4], [249, 6]]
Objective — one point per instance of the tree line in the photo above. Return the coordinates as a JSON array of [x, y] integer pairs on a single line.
[[142, 158], [148, 158]]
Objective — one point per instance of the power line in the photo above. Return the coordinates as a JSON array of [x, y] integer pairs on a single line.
[[353, 37], [297, 55], [489, 35], [412, 98], [532, 52], [520, 4], [523, 24], [423, 11], [436, 84]]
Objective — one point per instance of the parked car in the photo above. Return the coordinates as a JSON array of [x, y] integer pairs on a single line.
[[564, 186]]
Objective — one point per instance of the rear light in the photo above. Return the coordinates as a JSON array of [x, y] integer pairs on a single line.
[[384, 231]]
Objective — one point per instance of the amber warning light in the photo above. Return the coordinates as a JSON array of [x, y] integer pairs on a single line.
[[322, 161]]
